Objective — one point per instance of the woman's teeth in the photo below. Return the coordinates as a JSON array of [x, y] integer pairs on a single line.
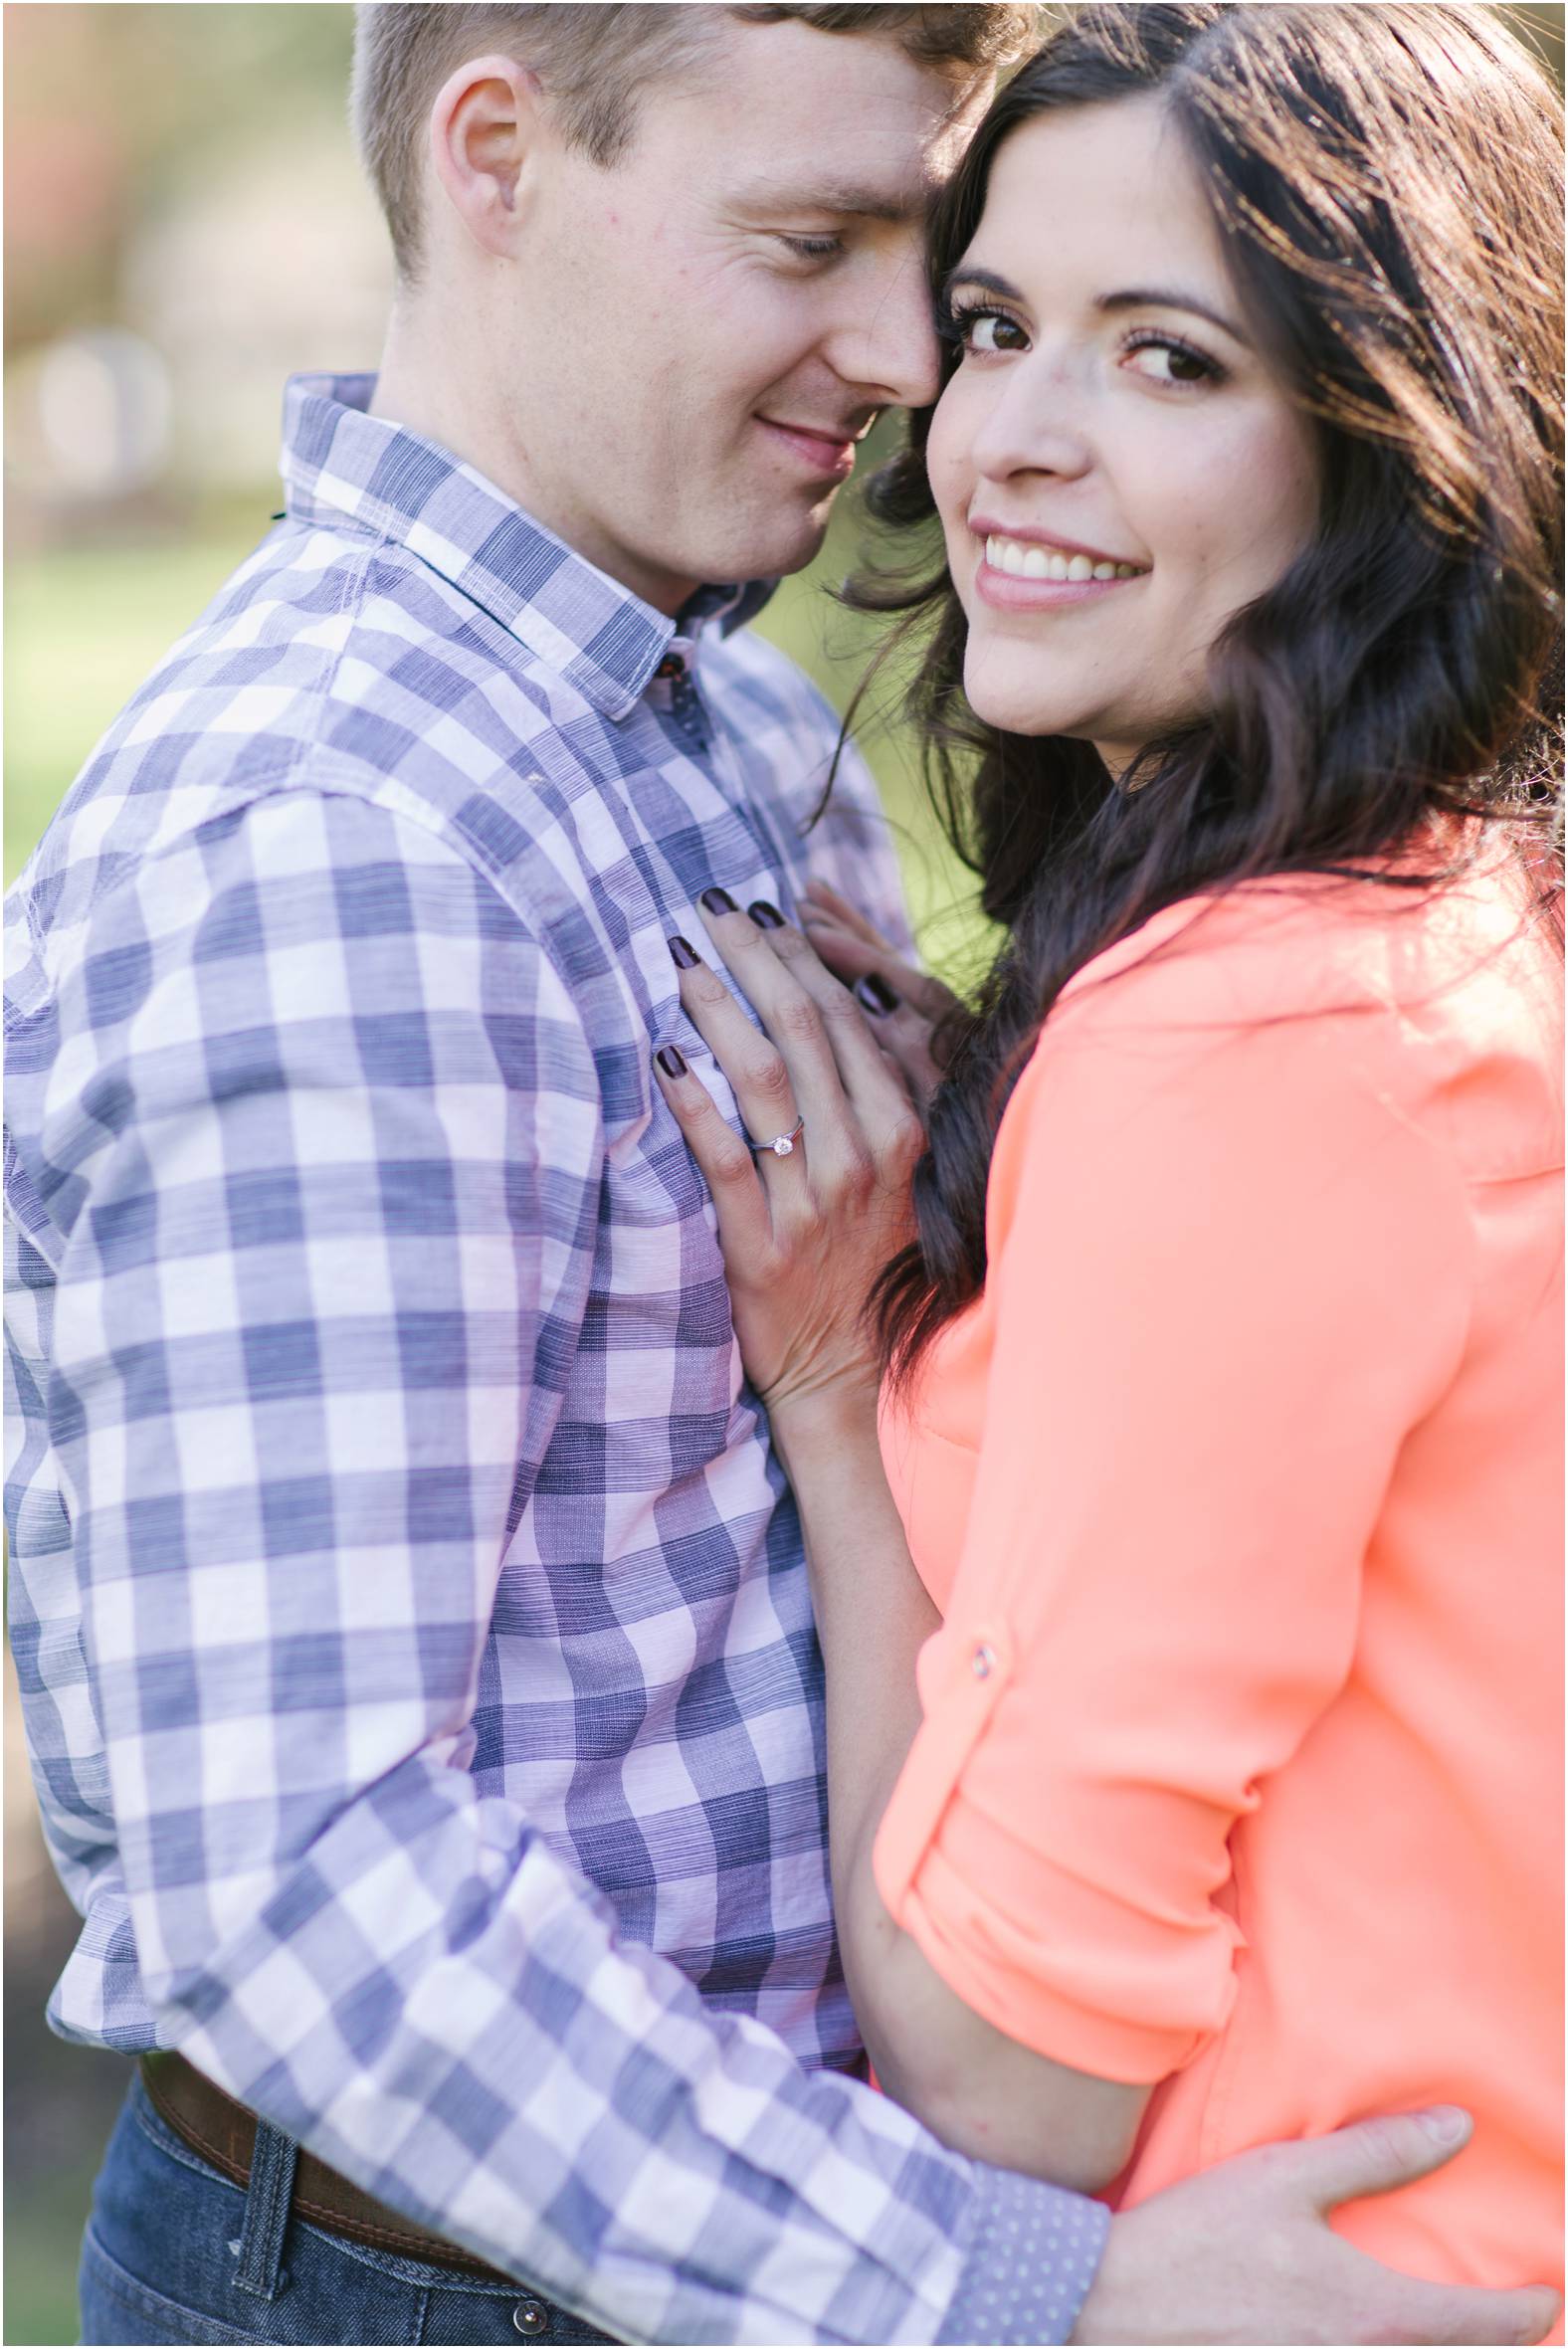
[[1039, 562]]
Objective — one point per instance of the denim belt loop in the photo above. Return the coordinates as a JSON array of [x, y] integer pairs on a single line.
[[259, 2249]]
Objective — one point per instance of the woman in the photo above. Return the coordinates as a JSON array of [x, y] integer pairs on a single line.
[[1221, 1354]]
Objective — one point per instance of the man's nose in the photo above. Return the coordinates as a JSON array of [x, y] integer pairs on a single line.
[[887, 346]]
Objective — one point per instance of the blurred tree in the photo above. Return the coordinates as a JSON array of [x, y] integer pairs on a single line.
[[110, 108]]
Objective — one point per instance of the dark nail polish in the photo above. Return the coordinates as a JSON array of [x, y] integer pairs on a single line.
[[685, 954], [766, 917], [671, 1060], [717, 901], [875, 994]]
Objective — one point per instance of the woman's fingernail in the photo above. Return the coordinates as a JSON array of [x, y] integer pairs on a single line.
[[684, 953], [766, 917], [671, 1060], [717, 901], [875, 994]]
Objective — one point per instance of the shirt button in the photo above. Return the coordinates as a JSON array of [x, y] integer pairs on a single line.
[[981, 1662], [530, 2318]]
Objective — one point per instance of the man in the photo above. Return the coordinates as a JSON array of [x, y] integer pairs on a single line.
[[411, 1617]]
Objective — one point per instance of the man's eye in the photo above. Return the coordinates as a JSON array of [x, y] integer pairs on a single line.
[[812, 247]]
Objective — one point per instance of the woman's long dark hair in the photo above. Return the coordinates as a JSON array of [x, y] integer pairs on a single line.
[[1387, 181]]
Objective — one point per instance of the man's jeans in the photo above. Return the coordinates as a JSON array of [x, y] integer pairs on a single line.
[[174, 2253]]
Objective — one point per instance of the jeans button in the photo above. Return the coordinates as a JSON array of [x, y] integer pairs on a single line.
[[531, 2320]]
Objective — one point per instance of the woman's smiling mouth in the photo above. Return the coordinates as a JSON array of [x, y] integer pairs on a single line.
[[1026, 559], [1038, 573]]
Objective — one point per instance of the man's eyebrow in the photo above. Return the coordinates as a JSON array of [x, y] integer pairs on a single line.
[[850, 199]]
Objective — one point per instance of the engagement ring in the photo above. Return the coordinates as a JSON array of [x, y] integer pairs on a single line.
[[781, 1145]]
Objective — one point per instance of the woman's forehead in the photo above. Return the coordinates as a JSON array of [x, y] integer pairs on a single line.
[[1080, 192]]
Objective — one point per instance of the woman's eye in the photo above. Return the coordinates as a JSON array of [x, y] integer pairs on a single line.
[[990, 331], [1164, 360]]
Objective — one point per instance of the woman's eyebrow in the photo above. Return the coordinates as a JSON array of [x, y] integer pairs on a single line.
[[966, 275], [1127, 299], [1168, 297]]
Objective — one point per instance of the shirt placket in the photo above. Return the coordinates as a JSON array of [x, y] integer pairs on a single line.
[[683, 703], [675, 694]]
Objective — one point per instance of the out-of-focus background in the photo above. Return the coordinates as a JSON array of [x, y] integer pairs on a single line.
[[185, 226]]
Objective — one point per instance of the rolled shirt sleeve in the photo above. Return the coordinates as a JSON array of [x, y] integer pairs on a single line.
[[319, 1184], [1229, 1274]]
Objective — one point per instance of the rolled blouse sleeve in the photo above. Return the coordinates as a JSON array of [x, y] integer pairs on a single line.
[[1228, 1272]]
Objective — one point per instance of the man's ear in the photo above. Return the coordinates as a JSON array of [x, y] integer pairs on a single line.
[[485, 130]]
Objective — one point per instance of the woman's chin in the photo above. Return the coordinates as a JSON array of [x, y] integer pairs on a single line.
[[1018, 709], [1005, 689]]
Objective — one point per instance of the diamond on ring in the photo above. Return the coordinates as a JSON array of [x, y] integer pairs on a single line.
[[782, 1145]]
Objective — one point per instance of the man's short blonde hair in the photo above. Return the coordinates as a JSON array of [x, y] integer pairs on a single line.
[[594, 63]]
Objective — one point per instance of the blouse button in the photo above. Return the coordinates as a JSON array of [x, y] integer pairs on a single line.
[[981, 1662]]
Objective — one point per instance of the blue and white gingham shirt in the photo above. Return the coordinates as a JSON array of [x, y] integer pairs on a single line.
[[410, 1615]]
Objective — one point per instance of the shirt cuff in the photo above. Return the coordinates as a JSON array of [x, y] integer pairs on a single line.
[[1036, 2251]]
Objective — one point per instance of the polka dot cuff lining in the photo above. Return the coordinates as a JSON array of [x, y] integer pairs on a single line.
[[1036, 2250]]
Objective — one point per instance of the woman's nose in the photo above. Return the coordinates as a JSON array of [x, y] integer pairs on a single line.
[[1033, 425]]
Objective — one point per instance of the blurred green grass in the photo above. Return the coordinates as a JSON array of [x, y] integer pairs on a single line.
[[83, 627], [85, 624]]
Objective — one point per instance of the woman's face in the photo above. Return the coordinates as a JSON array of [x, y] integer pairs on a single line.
[[1117, 470]]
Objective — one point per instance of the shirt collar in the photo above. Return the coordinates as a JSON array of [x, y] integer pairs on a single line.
[[339, 460]]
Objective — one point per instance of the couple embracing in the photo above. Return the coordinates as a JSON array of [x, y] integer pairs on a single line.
[[553, 1364]]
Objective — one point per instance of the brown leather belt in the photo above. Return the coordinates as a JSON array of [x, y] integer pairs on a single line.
[[224, 2133]]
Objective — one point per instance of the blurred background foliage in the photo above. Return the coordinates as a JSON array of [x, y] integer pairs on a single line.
[[185, 226]]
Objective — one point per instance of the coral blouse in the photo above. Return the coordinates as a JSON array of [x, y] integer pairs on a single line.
[[1240, 1492]]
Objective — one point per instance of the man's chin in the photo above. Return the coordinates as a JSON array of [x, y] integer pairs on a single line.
[[779, 546], [751, 533]]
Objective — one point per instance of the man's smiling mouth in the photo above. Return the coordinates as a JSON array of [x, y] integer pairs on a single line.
[[827, 451]]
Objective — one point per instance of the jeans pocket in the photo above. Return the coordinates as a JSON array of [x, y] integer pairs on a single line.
[[118, 2307], [146, 2117]]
